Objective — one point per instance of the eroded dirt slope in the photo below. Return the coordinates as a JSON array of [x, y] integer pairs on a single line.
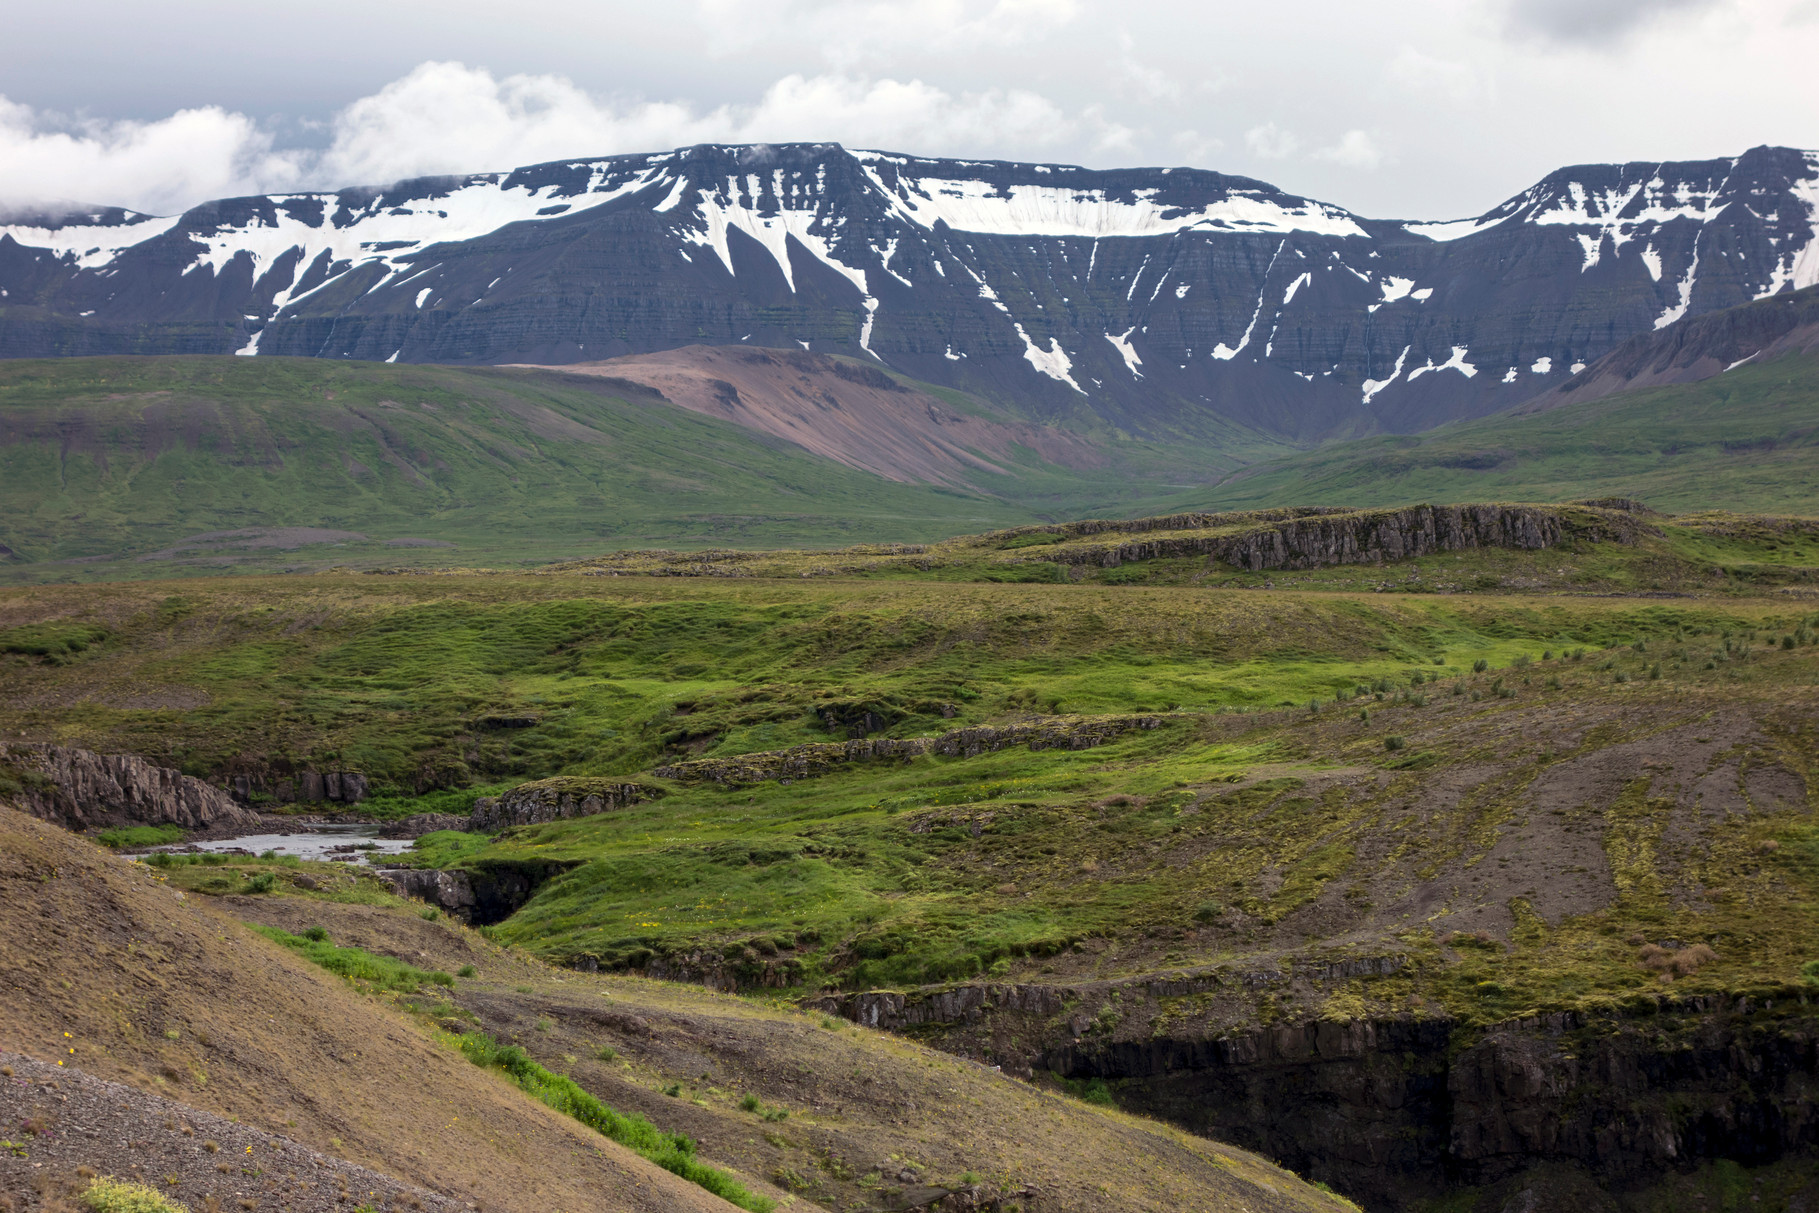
[[858, 416], [104, 968]]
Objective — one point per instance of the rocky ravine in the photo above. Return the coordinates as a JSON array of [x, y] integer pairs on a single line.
[[1396, 1111]]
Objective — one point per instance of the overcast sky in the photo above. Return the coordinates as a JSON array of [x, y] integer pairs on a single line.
[[1394, 109]]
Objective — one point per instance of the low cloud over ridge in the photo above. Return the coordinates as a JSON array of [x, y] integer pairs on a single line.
[[445, 118]]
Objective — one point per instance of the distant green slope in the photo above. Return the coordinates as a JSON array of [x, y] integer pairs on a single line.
[[107, 462], [1745, 441]]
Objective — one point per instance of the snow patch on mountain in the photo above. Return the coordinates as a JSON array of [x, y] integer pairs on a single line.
[[1122, 343], [1052, 362], [1456, 363], [1373, 386], [92, 244]]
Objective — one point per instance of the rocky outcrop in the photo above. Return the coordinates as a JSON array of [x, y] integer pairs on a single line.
[[1311, 539], [482, 894], [1394, 1111], [452, 891], [551, 800], [345, 787], [806, 761], [82, 790]]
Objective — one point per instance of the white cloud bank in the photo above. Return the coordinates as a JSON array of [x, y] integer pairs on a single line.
[[450, 118]]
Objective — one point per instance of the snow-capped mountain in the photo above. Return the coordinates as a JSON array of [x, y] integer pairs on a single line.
[[1159, 300]]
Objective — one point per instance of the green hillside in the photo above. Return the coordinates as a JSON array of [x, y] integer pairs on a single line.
[[113, 467], [1745, 441]]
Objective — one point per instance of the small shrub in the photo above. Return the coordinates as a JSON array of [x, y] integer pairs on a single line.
[[316, 934], [674, 1090], [1208, 911], [830, 1023], [264, 882], [1480, 665], [1547, 654], [108, 1195], [1524, 661], [1654, 671], [1622, 676], [606, 1053], [1553, 682], [1394, 742], [749, 1103], [467, 971], [543, 1024], [429, 913]]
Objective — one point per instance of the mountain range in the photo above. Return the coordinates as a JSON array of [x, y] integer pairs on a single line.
[[1157, 303]]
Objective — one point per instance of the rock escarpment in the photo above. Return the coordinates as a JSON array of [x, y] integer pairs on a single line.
[[551, 800], [1305, 539], [345, 787], [806, 761], [1396, 1111], [483, 894], [82, 790]]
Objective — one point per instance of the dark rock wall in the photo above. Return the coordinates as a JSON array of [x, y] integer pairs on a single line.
[[82, 790], [551, 800], [1396, 1111], [1312, 539]]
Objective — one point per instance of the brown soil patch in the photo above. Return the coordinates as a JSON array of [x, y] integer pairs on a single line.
[[169, 996], [68, 1127], [858, 416]]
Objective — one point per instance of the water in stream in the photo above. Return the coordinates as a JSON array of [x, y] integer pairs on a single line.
[[316, 842]]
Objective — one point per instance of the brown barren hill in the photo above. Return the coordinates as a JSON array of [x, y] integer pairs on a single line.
[[851, 413], [107, 970]]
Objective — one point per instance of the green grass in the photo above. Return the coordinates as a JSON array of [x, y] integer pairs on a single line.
[[675, 1153], [356, 964], [140, 836], [108, 460], [1746, 441]]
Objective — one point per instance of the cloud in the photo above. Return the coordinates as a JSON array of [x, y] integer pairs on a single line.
[[1424, 74], [848, 32], [1271, 142], [1355, 149], [448, 118], [155, 166], [1594, 22]]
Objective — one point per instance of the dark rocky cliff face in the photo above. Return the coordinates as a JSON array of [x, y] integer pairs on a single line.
[[82, 790], [1162, 301], [1396, 1111]]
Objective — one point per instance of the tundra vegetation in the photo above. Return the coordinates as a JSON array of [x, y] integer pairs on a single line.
[[1325, 744]]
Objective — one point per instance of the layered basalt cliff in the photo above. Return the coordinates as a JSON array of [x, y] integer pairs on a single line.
[[1393, 1111], [1310, 539], [552, 800], [82, 790], [807, 761]]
